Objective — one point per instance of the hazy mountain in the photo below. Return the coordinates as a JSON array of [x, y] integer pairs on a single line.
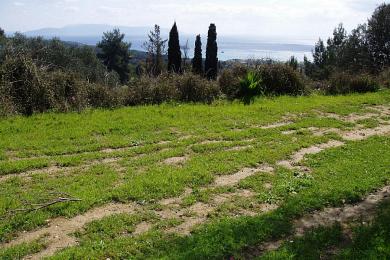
[[88, 30]]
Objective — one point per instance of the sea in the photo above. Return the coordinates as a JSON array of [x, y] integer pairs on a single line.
[[229, 48]]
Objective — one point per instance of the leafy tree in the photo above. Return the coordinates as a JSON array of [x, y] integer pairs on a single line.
[[211, 64], [197, 61], [2, 34], [155, 48], [378, 36], [115, 54], [174, 53]]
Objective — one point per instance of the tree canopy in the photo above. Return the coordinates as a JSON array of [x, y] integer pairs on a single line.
[[115, 53]]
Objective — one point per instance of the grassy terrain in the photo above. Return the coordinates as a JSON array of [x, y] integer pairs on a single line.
[[104, 156], [370, 241]]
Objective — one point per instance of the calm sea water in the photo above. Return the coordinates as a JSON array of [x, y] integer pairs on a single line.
[[228, 48]]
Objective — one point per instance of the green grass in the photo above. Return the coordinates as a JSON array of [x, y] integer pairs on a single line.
[[22, 250], [139, 174]]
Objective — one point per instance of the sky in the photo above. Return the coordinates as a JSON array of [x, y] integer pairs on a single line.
[[298, 20]]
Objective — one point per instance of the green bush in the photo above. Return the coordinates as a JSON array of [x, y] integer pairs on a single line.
[[230, 80], [194, 88], [102, 96], [151, 90], [68, 91], [280, 79], [343, 83], [276, 79], [187, 87]]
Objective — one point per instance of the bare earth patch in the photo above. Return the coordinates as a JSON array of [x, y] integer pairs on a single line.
[[361, 134], [141, 228], [239, 148], [176, 160], [276, 125], [299, 156], [58, 232], [345, 214], [230, 180]]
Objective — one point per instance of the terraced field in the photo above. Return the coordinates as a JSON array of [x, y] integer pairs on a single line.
[[197, 181]]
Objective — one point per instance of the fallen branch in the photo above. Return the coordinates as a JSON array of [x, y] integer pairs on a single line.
[[35, 207]]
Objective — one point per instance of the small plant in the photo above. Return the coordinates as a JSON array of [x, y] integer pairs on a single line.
[[250, 87]]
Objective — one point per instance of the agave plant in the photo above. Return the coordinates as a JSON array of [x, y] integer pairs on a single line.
[[251, 86]]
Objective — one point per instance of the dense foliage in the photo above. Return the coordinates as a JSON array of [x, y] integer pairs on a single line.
[[38, 75], [114, 53], [197, 61], [211, 63], [365, 50], [174, 52]]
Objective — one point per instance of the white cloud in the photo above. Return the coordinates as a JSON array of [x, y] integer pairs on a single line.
[[18, 4], [300, 19], [72, 9]]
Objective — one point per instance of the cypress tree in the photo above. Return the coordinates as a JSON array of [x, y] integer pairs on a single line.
[[174, 53], [197, 62], [211, 64]]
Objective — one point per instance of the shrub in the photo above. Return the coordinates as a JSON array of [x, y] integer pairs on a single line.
[[103, 96], [187, 87], [384, 78], [343, 83], [194, 88], [251, 86], [280, 79], [23, 83], [151, 90], [68, 91], [229, 80]]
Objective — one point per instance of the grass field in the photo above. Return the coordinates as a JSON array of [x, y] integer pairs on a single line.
[[198, 181]]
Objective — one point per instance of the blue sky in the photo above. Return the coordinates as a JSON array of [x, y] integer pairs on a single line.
[[290, 19]]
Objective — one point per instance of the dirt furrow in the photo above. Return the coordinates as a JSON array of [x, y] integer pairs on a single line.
[[59, 230], [344, 215]]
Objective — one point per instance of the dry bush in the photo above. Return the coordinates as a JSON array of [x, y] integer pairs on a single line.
[[187, 87], [229, 80], [194, 88], [343, 83], [280, 79], [384, 78]]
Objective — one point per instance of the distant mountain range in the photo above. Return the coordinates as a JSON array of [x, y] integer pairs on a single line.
[[87, 30]]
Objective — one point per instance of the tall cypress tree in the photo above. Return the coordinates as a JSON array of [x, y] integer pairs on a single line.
[[211, 64], [197, 61], [174, 53]]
